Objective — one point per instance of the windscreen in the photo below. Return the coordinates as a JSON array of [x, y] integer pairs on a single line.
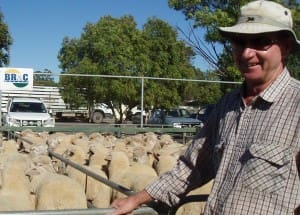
[[28, 107]]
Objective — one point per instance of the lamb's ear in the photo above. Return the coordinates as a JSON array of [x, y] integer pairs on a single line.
[[33, 171], [108, 157]]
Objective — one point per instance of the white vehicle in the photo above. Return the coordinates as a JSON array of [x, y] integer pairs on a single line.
[[27, 112], [54, 102]]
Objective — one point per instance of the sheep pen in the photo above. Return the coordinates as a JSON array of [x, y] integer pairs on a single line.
[[106, 167]]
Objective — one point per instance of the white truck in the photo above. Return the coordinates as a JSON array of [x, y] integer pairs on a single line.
[[18, 82], [54, 102], [96, 115], [27, 112]]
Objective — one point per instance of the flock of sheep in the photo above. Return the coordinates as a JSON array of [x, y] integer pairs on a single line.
[[32, 179]]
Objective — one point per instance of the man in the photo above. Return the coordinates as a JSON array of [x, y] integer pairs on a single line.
[[250, 141]]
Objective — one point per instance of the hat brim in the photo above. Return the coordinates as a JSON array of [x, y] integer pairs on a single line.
[[255, 28]]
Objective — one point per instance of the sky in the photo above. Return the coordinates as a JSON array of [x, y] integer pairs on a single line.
[[39, 26]]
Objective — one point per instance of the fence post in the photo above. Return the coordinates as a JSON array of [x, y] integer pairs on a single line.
[[142, 103]]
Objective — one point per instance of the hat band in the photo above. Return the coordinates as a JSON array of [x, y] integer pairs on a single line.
[[262, 20]]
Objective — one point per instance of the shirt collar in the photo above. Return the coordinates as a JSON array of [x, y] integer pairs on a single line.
[[272, 92]]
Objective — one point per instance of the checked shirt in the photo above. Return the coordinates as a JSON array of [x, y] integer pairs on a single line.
[[249, 151]]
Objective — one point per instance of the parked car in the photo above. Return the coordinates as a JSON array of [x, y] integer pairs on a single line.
[[204, 112], [177, 118], [136, 117], [29, 112]]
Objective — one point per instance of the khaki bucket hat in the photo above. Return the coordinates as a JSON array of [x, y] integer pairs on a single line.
[[261, 16]]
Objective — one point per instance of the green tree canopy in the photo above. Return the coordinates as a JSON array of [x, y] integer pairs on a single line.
[[208, 15], [170, 58], [43, 78], [115, 47], [5, 42]]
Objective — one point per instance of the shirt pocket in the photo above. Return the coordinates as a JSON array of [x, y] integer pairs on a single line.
[[267, 169]]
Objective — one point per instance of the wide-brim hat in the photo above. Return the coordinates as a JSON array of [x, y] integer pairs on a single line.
[[259, 17]]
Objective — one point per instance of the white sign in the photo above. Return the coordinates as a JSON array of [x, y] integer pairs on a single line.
[[16, 79]]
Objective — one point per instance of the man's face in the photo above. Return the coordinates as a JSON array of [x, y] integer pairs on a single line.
[[259, 57]]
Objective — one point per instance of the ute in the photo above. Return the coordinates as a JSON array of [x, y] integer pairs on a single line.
[[26, 112], [177, 118]]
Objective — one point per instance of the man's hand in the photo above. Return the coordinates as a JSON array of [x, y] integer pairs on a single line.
[[127, 205]]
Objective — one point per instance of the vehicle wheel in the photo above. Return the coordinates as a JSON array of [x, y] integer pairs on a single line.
[[97, 117]]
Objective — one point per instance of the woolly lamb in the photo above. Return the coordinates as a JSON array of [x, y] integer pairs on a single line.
[[14, 192], [195, 208], [57, 192], [133, 176], [97, 192], [164, 163]]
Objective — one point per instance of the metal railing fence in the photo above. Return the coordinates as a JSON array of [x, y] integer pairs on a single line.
[[142, 79]]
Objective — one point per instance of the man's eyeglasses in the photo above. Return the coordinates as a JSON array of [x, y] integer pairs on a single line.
[[258, 43]]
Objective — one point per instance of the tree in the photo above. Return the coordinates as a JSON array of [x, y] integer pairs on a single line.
[[168, 58], [207, 92], [5, 42], [207, 15], [43, 78], [109, 47], [294, 60], [116, 47]]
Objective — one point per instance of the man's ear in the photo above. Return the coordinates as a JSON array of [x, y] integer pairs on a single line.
[[286, 50]]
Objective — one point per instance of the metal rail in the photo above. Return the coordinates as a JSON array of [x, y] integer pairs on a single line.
[[117, 128], [92, 211]]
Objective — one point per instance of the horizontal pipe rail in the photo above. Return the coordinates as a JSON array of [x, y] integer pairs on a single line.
[[116, 128], [92, 211]]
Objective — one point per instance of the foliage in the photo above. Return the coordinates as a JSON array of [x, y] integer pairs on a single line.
[[294, 60], [170, 58], [5, 42], [207, 15], [43, 78], [105, 48], [209, 92], [115, 47]]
